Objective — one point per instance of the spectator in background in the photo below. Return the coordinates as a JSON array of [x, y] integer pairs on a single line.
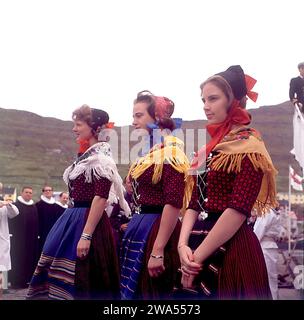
[[296, 88], [47, 214], [63, 200], [118, 219], [61, 204], [7, 210], [268, 229], [1, 195], [24, 240]]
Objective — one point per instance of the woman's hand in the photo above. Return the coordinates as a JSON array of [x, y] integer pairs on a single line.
[[189, 268], [123, 227], [188, 264], [187, 280], [156, 266], [83, 248]]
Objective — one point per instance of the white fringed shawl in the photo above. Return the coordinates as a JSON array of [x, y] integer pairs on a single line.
[[99, 164]]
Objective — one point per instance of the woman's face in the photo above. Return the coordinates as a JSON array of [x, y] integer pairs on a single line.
[[82, 130], [215, 103], [141, 117]]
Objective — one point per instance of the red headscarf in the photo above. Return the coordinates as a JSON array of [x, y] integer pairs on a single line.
[[217, 131], [164, 107]]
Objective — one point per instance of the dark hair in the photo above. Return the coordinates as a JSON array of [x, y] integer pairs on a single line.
[[61, 194], [148, 97], [46, 186], [166, 123], [23, 188], [301, 65]]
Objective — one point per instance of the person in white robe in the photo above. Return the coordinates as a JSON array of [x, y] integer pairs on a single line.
[[268, 229], [7, 211]]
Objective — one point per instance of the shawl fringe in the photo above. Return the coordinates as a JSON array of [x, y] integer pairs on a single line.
[[170, 153], [99, 164]]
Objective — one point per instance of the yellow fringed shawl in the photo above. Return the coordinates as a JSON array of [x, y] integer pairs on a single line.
[[234, 147], [171, 152]]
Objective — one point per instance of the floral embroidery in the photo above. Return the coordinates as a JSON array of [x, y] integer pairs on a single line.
[[242, 134]]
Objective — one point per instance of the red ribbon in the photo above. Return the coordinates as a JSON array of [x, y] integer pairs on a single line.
[[109, 125], [250, 82]]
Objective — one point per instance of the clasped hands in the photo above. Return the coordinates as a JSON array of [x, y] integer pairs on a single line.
[[190, 267]]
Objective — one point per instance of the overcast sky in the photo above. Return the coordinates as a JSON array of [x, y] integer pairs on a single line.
[[59, 54]]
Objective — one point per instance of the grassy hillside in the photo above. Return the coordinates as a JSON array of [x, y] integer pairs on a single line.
[[275, 124], [35, 150]]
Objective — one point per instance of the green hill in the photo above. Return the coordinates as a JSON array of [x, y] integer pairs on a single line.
[[35, 150]]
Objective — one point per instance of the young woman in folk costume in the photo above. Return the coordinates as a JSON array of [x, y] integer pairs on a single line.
[[149, 257], [79, 257], [238, 176]]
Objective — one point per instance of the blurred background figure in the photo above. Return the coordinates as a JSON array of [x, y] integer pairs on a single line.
[[63, 200], [1, 188], [47, 214], [24, 240], [296, 88], [7, 211], [268, 230], [118, 218], [61, 204]]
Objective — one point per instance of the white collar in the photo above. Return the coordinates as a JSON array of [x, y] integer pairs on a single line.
[[61, 205], [47, 200], [28, 203]]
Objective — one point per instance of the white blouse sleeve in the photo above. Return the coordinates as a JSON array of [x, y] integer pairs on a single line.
[[12, 211]]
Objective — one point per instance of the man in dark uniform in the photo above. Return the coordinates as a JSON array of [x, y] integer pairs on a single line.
[[296, 88], [24, 240], [47, 214]]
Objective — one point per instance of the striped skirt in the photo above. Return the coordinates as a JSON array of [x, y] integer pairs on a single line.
[[236, 270], [61, 275], [244, 274], [136, 248]]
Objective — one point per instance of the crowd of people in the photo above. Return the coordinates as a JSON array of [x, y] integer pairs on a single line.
[[133, 239], [26, 232]]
